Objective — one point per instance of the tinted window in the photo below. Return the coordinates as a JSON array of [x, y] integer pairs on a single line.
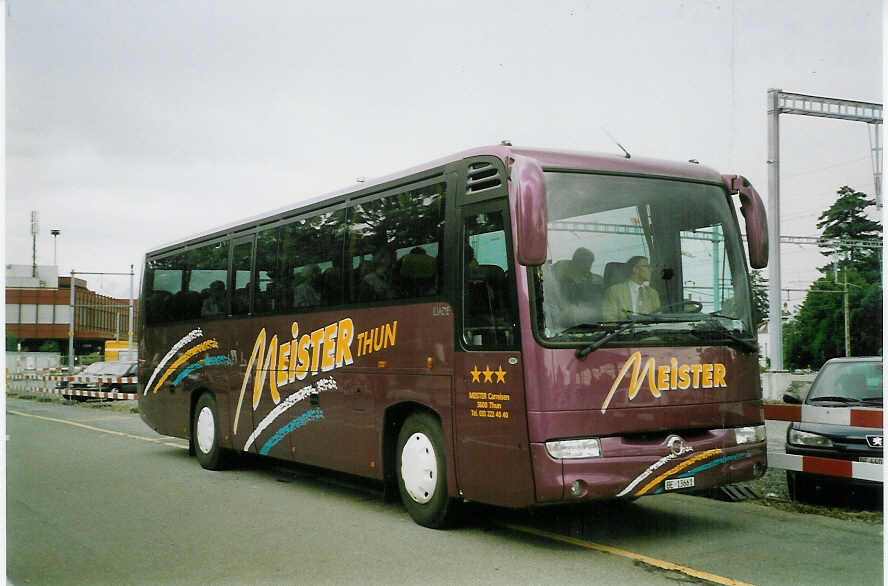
[[394, 246], [268, 278], [241, 272], [310, 265], [207, 280], [163, 283], [188, 285]]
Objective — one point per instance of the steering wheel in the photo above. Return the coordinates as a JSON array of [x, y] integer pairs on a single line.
[[685, 306]]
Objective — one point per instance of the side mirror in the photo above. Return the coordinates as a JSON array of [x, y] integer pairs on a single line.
[[753, 211], [791, 398], [529, 190]]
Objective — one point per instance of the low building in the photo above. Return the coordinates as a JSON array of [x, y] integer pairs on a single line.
[[38, 311]]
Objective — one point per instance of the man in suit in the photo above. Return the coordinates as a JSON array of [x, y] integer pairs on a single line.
[[632, 295]]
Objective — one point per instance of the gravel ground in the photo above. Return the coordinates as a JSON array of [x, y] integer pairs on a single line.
[[861, 504]]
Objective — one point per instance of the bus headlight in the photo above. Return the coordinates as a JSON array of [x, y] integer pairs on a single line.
[[750, 435], [573, 449], [803, 438]]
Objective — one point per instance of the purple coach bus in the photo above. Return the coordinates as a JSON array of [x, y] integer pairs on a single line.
[[505, 325]]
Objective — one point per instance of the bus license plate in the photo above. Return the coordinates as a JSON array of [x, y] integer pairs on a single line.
[[871, 460], [677, 483]]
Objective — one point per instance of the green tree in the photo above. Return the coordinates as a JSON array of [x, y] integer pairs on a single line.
[[846, 220], [759, 284], [49, 346], [817, 332]]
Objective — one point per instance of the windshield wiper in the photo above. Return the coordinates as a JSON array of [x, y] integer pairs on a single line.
[[580, 328], [732, 335], [834, 398], [654, 318], [617, 328], [876, 400], [717, 314]]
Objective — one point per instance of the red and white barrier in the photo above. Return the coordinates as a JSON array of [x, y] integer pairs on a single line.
[[84, 393], [826, 466], [25, 379], [858, 417], [74, 378], [862, 417]]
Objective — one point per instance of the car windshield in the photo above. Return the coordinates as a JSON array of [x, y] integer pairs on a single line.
[[117, 368], [636, 258], [95, 368], [848, 381]]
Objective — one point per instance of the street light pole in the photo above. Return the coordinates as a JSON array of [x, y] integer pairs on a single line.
[[130, 337], [847, 317], [55, 241], [71, 328]]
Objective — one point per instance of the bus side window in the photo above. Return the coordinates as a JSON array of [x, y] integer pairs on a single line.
[[241, 269], [163, 282], [207, 280], [267, 276], [394, 246], [489, 318], [309, 272]]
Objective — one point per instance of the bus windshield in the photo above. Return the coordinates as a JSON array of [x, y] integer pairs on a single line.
[[634, 259]]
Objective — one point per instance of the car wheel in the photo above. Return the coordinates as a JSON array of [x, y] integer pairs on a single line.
[[205, 434], [422, 471]]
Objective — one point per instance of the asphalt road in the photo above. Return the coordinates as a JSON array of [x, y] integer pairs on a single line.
[[95, 497]]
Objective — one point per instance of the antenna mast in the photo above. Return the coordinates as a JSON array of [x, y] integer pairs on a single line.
[[35, 221]]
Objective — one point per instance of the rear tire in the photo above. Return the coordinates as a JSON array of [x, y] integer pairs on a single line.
[[205, 434], [422, 471]]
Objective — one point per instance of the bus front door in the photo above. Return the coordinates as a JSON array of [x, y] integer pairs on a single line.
[[492, 450]]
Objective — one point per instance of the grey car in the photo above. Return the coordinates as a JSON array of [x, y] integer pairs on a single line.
[[842, 383]]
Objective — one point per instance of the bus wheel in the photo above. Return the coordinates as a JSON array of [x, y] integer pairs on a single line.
[[422, 471], [205, 433]]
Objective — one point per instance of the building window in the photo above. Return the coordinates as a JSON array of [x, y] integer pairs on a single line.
[[12, 313], [29, 313], [44, 314]]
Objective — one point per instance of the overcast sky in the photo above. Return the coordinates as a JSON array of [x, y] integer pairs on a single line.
[[132, 124]]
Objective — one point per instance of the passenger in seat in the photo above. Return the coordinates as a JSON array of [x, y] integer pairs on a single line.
[[573, 293], [214, 304], [578, 284], [377, 284]]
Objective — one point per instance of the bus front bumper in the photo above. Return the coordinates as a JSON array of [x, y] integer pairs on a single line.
[[631, 476]]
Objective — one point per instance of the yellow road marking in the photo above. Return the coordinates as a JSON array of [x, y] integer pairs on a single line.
[[714, 578], [99, 429]]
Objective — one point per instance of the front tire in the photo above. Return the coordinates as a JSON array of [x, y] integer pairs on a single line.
[[422, 471], [205, 434], [799, 487]]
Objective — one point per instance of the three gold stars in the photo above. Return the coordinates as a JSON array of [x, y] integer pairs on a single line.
[[488, 374]]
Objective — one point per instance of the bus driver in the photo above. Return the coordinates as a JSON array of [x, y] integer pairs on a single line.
[[632, 295]]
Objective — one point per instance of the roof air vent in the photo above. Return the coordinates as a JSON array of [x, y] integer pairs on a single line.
[[482, 176]]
